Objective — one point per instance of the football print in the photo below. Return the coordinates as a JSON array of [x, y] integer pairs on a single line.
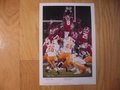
[[66, 46]]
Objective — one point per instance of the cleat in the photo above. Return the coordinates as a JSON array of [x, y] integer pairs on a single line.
[[88, 70], [77, 72], [73, 69]]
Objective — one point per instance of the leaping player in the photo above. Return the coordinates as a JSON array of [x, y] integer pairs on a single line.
[[67, 21]]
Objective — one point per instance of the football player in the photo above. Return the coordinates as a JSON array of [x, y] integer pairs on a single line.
[[67, 21], [85, 36], [80, 65], [51, 56], [66, 51]]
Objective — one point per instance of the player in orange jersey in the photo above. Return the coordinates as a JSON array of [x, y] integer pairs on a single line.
[[51, 56]]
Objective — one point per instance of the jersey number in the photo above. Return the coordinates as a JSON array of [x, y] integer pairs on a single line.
[[68, 22]]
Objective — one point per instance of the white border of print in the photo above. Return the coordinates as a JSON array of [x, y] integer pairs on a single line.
[[72, 80]]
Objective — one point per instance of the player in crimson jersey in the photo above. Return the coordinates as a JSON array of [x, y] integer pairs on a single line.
[[84, 36], [59, 34], [58, 30], [74, 35], [50, 27], [67, 21], [85, 49]]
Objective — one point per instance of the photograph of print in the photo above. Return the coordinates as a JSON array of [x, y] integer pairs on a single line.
[[67, 43]]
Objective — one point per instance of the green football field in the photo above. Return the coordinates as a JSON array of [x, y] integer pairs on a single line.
[[63, 73]]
